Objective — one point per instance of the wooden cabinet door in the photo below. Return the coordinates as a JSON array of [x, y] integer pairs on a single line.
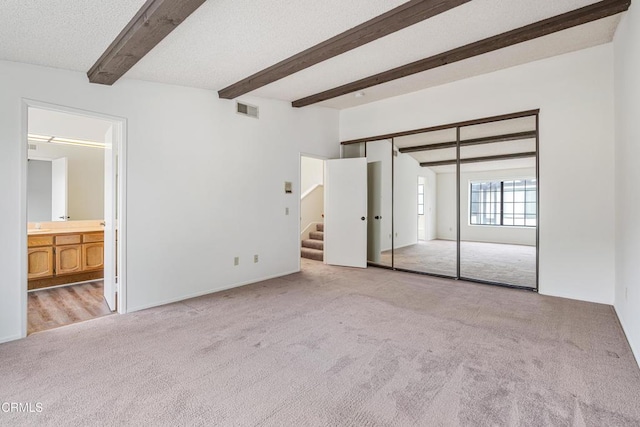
[[40, 263], [68, 259], [93, 256]]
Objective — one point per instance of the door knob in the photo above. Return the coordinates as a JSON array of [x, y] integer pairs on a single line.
[[378, 217], [362, 218]]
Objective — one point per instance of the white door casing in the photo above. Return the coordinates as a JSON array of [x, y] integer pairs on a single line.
[[110, 204]]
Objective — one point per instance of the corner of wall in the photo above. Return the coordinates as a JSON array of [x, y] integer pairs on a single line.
[[627, 133]]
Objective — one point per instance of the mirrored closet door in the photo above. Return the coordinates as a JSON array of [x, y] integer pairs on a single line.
[[379, 197], [424, 208], [457, 200], [498, 202]]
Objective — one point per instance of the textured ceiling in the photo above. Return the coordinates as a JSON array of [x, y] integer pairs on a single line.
[[465, 24], [490, 129], [69, 34], [587, 35], [227, 40]]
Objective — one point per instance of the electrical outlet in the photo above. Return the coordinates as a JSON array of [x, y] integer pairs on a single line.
[[255, 258], [236, 260], [286, 211]]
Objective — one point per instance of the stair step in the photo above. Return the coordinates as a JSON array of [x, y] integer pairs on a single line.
[[316, 235], [312, 254], [313, 244], [320, 227]]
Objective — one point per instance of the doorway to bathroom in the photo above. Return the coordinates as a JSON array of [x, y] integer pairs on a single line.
[[74, 246]]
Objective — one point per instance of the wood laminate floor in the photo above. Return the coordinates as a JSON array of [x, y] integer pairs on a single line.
[[51, 308]]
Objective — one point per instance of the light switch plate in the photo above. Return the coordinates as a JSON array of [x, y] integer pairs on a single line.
[[288, 187]]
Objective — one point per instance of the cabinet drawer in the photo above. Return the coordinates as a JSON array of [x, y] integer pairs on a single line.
[[93, 237], [40, 241], [71, 239]]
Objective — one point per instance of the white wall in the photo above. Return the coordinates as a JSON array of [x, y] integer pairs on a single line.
[[627, 203], [85, 178], [446, 217], [575, 95], [39, 190], [311, 193], [311, 211], [477, 233], [197, 173], [405, 200], [312, 173], [430, 202], [65, 125]]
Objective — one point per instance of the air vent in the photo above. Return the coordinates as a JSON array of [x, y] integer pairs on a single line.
[[33, 147], [247, 110]]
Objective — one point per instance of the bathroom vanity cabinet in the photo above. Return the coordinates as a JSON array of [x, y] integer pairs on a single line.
[[64, 256]]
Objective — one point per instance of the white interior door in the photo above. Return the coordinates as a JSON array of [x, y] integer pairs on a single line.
[[110, 226], [345, 207], [59, 190]]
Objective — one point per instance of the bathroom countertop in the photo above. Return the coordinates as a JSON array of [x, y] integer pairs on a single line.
[[73, 230]]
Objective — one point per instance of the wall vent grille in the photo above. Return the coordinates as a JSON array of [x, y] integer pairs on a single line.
[[247, 110], [33, 147]]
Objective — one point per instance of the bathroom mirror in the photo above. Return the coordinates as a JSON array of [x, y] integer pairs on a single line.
[[64, 183]]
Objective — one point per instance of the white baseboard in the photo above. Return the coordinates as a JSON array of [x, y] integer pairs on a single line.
[[634, 349], [10, 338], [210, 291], [542, 291]]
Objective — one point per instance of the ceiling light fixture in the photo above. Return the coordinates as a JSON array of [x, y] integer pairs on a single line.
[[65, 141]]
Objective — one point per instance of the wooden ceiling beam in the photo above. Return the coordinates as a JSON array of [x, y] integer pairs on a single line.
[[481, 159], [403, 16], [475, 141], [552, 25], [498, 157], [153, 22], [429, 147], [518, 136]]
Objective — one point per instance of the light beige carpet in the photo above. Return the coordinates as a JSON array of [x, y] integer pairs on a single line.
[[492, 262], [338, 347]]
